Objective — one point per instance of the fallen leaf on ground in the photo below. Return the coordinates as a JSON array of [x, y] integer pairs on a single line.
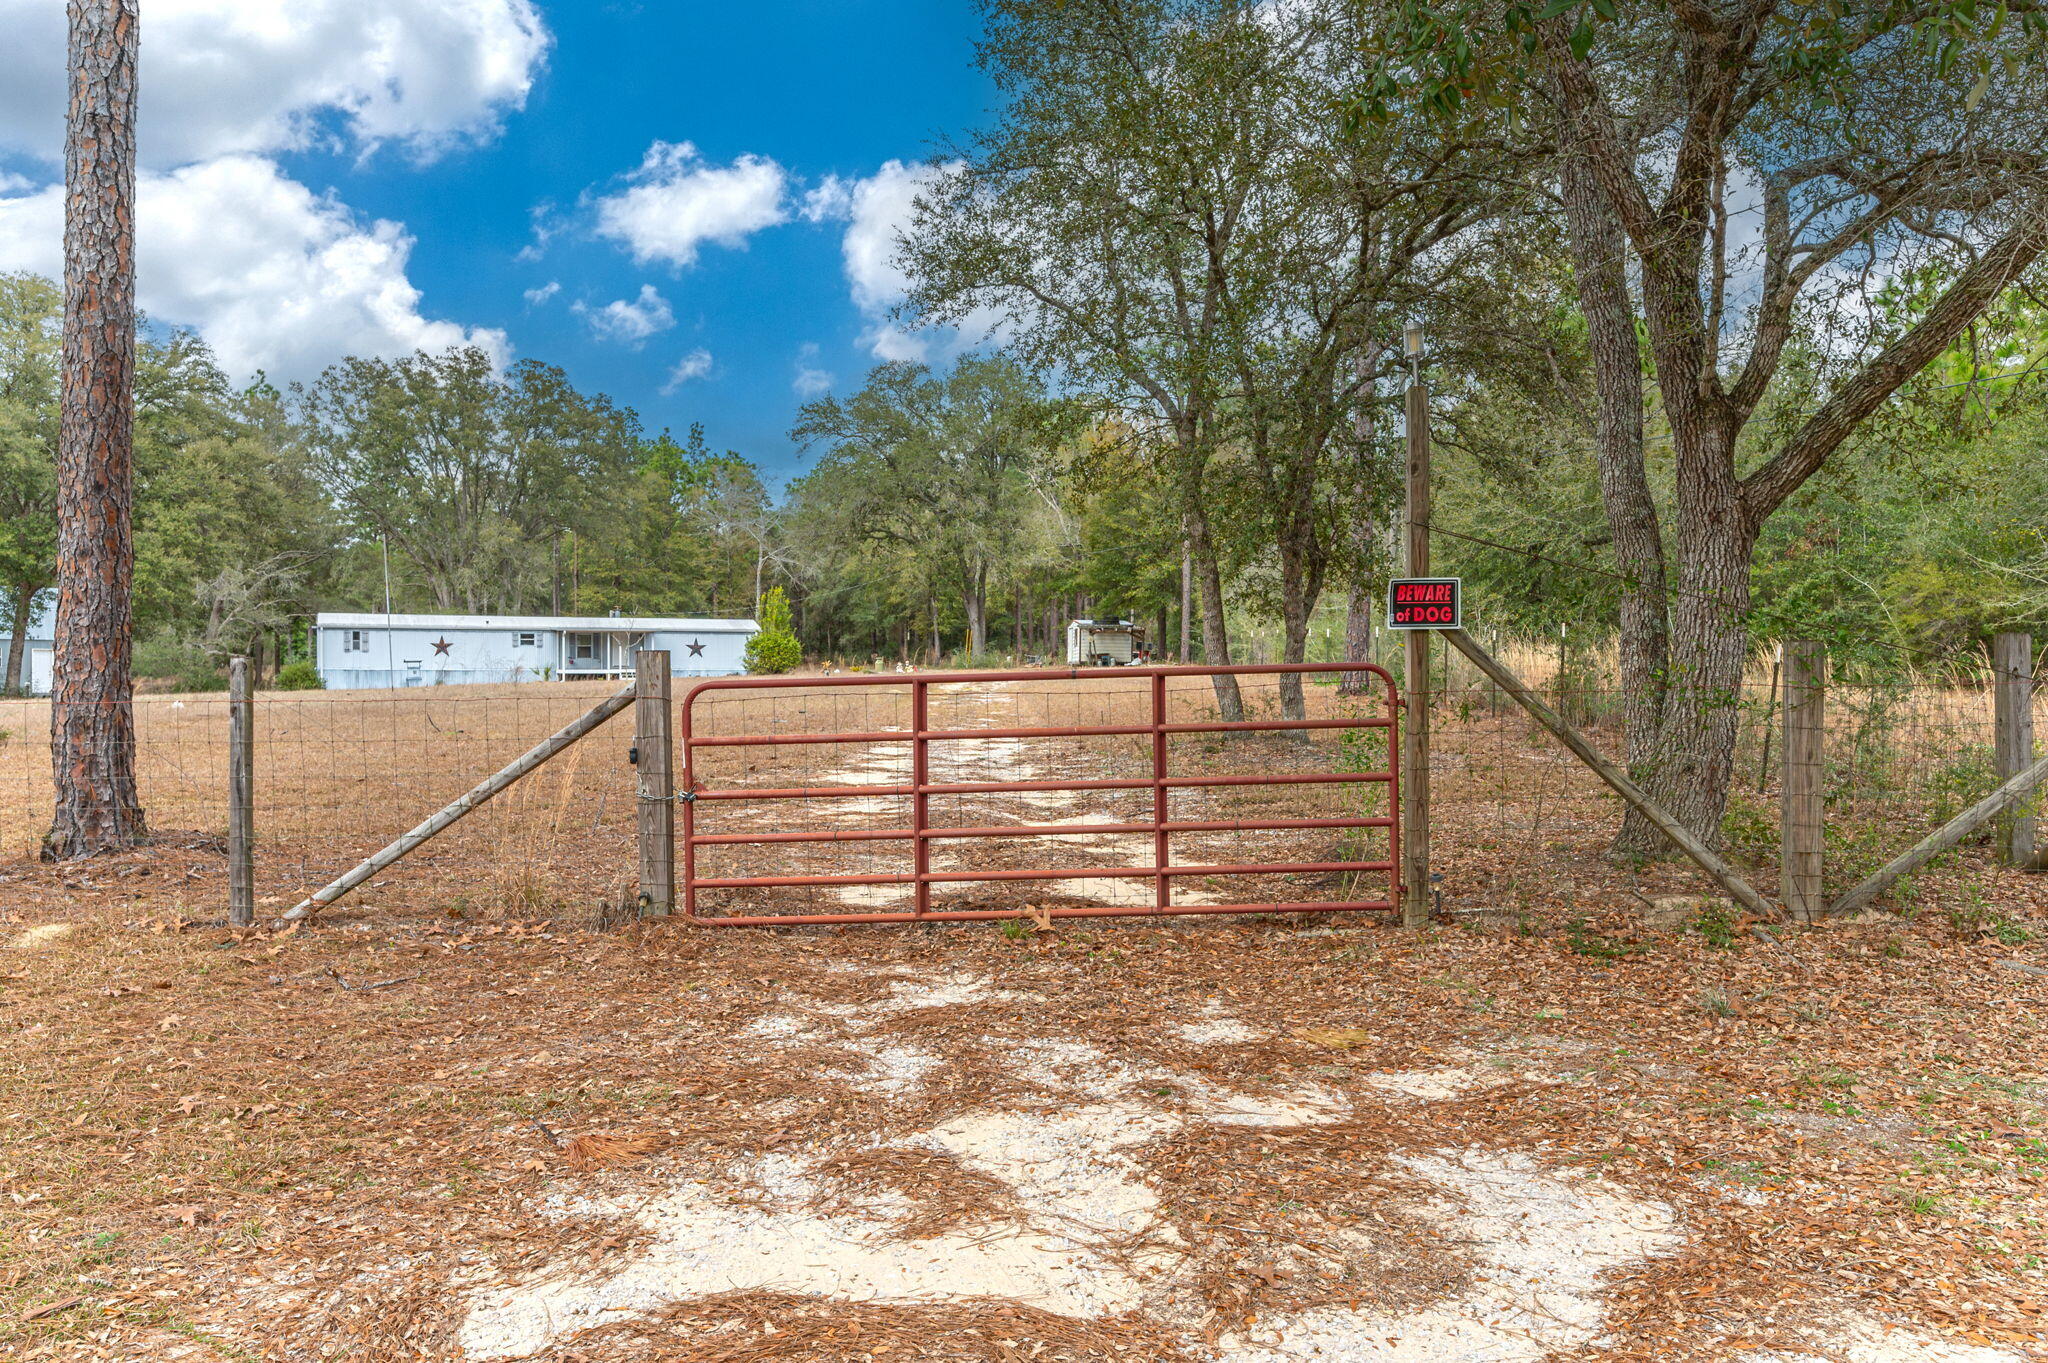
[[1336, 1038], [600, 1149], [51, 1308]]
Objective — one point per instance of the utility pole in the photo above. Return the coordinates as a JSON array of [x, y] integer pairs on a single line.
[[1415, 900]]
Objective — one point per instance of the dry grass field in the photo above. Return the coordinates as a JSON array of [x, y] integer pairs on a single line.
[[457, 1119]]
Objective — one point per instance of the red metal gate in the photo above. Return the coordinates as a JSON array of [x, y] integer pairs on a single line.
[[699, 790]]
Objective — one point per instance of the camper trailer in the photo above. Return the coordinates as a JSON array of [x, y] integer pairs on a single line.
[[1105, 643]]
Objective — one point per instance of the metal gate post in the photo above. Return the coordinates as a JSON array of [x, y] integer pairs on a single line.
[[1162, 895], [920, 799]]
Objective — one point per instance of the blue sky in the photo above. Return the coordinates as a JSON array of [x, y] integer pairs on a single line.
[[686, 206]]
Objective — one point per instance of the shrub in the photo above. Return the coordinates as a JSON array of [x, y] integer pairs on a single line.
[[775, 648], [299, 676]]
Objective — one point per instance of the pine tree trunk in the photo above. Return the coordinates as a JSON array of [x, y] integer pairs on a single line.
[[92, 718]]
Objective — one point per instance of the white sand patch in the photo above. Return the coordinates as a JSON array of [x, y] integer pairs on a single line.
[[1085, 1244], [1543, 1242], [1854, 1338], [942, 991], [908, 993], [897, 897], [897, 1069], [1215, 1032], [42, 937], [1075, 1067], [876, 764], [1435, 1085], [779, 1027], [704, 1245], [1066, 1168]]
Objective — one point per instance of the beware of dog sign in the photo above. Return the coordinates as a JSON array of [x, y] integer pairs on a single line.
[[1425, 603]]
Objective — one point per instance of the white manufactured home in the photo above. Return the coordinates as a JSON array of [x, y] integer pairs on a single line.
[[367, 649], [39, 650]]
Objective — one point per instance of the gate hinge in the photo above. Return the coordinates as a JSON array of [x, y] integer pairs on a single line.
[[633, 756]]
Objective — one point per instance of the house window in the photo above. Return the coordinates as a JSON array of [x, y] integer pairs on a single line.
[[583, 647], [356, 641], [526, 639]]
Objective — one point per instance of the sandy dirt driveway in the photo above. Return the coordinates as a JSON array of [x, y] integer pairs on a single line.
[[416, 1138]]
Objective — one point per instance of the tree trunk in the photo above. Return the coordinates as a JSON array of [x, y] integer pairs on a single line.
[[1600, 265], [1295, 608], [1361, 605], [1215, 633], [1695, 740], [92, 717], [1187, 575], [17, 646], [976, 601]]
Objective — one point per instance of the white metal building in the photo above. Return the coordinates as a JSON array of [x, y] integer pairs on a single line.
[[1111, 643], [38, 660], [370, 649]]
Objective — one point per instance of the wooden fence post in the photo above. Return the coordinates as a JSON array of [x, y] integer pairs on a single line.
[[241, 796], [1415, 899], [656, 780], [2012, 662], [1802, 804]]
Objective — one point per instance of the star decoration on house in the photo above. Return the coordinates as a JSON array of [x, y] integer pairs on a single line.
[[441, 644], [696, 648]]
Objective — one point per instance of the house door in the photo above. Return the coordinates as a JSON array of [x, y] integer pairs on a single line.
[[41, 671]]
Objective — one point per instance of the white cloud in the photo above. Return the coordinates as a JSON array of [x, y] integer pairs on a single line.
[[630, 322], [537, 296], [225, 76], [274, 276], [877, 210], [830, 199], [677, 201], [10, 183], [810, 381], [694, 365]]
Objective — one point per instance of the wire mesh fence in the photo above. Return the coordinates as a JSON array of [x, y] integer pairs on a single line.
[[338, 774], [1521, 823], [1518, 824]]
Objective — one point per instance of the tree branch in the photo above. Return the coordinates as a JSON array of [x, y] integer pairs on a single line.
[[1962, 303]]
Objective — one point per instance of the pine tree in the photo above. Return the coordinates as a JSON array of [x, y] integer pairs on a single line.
[[775, 648]]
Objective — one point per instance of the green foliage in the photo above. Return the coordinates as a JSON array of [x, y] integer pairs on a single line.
[[1749, 827], [1716, 927], [299, 675], [934, 500], [774, 648]]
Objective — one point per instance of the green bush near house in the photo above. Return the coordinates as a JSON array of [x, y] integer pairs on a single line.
[[775, 648], [299, 676]]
